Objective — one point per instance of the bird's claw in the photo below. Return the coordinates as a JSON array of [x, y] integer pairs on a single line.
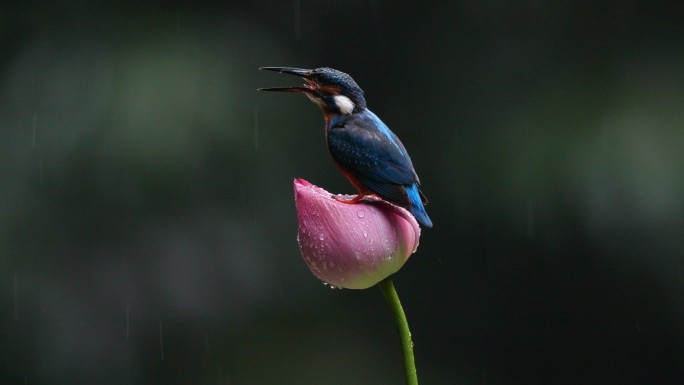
[[342, 199]]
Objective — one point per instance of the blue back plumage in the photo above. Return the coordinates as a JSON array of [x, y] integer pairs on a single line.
[[372, 154]]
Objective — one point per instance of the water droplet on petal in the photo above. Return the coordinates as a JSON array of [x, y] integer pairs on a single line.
[[360, 214], [365, 233], [321, 237]]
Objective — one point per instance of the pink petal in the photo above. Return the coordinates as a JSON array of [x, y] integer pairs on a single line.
[[352, 245]]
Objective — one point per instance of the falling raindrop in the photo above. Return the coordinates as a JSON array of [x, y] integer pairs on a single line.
[[298, 19], [604, 137], [35, 129], [16, 296], [530, 219], [206, 344], [128, 322], [41, 173], [256, 128], [161, 341]]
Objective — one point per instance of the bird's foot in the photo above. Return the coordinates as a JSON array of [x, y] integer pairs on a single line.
[[349, 201]]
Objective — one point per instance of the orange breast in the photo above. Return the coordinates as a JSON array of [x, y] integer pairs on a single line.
[[355, 182]]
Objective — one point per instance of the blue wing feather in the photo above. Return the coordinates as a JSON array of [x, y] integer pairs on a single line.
[[365, 148]]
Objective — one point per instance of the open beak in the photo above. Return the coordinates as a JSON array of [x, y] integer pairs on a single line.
[[304, 73]]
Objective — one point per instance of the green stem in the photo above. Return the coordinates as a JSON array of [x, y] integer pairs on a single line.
[[392, 298]]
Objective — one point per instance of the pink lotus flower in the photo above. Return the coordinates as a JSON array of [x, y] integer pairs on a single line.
[[353, 246]]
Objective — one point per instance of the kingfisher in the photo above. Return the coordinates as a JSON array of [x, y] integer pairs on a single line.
[[364, 149]]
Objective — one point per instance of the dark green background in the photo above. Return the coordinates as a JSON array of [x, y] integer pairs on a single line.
[[146, 192]]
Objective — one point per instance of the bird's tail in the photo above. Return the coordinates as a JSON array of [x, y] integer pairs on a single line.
[[416, 208]]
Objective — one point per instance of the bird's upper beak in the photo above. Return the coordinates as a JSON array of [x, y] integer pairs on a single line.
[[304, 73]]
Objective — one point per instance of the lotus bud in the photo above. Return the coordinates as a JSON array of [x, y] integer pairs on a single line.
[[352, 246]]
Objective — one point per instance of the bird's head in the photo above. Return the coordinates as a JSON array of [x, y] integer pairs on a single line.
[[334, 91]]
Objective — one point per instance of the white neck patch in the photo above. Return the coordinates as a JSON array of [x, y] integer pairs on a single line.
[[345, 104]]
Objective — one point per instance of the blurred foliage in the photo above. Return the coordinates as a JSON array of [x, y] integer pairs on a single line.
[[147, 226]]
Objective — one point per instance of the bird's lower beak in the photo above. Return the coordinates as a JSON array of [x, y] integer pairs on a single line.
[[304, 73]]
